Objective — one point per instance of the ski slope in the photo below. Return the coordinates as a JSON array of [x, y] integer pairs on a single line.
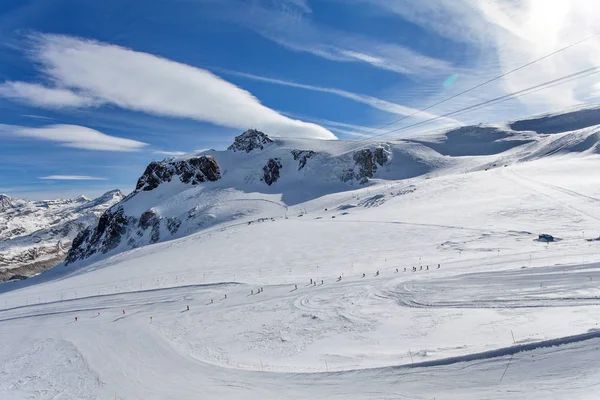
[[442, 333]]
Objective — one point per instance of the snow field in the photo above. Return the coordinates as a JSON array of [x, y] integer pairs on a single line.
[[439, 333]]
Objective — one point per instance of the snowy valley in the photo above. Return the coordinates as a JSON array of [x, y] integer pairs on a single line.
[[291, 268]]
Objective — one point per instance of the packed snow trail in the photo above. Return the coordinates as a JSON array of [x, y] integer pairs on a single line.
[[128, 356]]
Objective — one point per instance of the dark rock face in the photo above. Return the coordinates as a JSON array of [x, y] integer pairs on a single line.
[[302, 156], [173, 225], [381, 156], [347, 175], [150, 219], [365, 165], [271, 171], [193, 170], [112, 225], [250, 140]]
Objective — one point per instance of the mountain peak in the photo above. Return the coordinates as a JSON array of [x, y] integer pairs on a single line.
[[7, 202], [82, 198], [250, 140], [113, 193]]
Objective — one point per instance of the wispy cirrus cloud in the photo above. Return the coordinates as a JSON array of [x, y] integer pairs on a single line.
[[72, 178], [75, 136], [170, 153], [81, 70], [509, 33], [380, 104], [292, 27]]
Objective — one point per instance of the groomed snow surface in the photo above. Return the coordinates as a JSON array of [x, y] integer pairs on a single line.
[[504, 317]]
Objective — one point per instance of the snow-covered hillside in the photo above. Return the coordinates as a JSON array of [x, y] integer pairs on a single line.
[[261, 177], [36, 235], [416, 272]]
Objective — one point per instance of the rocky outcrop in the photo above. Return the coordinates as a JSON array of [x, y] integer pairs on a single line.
[[105, 237], [173, 225], [115, 228], [271, 171], [365, 165], [150, 219], [194, 170], [302, 157], [250, 140], [381, 156]]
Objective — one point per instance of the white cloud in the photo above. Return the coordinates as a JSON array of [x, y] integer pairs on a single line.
[[71, 178], [36, 116], [351, 133], [75, 136], [355, 127], [504, 34], [143, 82], [294, 31], [371, 101], [170, 153], [41, 96]]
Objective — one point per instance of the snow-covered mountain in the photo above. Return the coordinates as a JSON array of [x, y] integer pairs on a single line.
[[36, 235], [261, 177], [306, 269]]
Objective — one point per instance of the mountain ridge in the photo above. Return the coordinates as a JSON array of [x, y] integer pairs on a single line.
[[36, 235], [181, 195]]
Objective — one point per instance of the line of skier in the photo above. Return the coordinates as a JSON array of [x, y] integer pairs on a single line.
[[313, 282]]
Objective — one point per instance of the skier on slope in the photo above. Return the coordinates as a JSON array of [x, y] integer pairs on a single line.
[[377, 273], [364, 275]]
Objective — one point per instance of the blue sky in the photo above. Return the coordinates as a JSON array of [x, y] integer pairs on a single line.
[[92, 91]]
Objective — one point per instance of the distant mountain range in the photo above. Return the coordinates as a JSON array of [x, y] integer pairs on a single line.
[[36, 235]]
